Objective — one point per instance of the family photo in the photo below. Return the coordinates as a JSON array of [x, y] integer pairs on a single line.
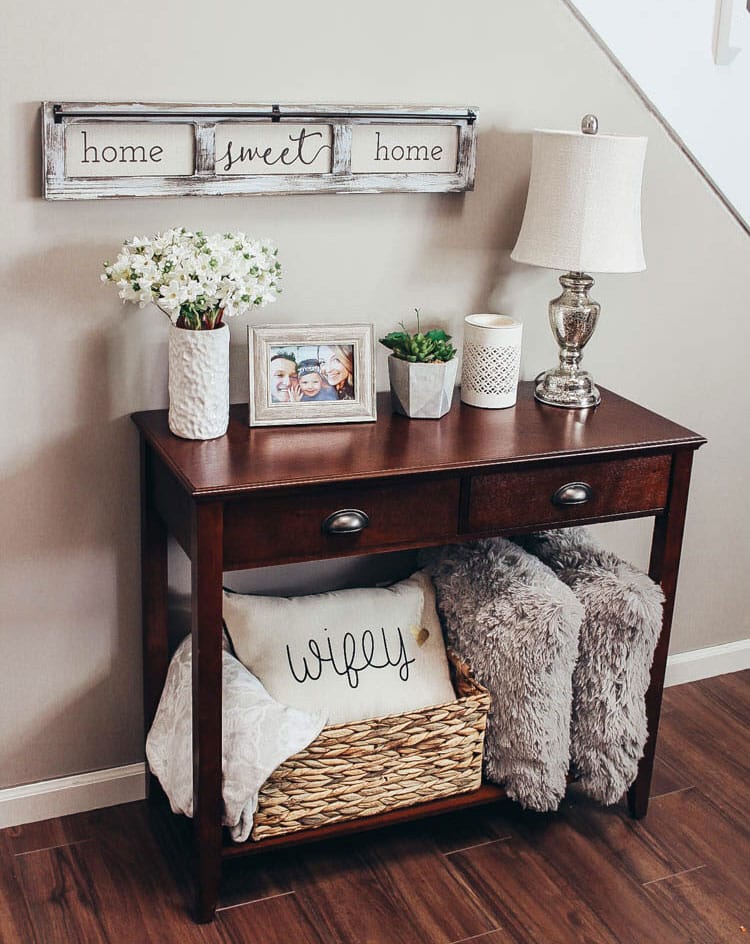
[[310, 373], [304, 374]]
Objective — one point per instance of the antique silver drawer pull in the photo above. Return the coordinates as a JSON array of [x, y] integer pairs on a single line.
[[346, 521], [574, 493]]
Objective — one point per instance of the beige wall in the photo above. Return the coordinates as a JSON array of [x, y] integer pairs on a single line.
[[75, 363]]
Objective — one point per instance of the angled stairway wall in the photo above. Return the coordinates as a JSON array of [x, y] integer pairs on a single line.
[[665, 49]]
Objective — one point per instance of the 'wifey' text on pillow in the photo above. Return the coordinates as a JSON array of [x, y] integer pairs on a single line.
[[372, 652]]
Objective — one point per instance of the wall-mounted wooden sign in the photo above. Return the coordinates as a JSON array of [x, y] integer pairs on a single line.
[[96, 150]]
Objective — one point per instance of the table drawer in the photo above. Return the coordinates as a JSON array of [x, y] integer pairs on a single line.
[[289, 527], [558, 494]]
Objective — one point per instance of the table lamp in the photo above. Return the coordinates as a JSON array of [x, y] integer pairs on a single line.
[[583, 214]]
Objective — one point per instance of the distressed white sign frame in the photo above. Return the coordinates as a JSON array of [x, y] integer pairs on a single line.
[[57, 117]]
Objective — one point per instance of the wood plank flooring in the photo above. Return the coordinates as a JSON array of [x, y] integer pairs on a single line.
[[495, 875]]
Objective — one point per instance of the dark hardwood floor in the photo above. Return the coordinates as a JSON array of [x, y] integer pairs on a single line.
[[584, 875]]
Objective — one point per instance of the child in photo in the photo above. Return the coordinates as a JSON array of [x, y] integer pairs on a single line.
[[311, 383]]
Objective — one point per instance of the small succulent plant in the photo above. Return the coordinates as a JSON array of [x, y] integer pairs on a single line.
[[432, 347]]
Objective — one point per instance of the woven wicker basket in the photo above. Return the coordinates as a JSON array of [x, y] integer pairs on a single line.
[[368, 767]]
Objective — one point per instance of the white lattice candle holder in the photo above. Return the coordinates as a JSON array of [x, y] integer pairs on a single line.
[[491, 361]]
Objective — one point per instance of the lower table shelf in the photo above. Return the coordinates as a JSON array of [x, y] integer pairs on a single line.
[[487, 793]]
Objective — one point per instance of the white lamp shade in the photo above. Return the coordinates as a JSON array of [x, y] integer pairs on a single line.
[[583, 210]]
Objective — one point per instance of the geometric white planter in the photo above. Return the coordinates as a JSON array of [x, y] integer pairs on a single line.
[[198, 382], [422, 391]]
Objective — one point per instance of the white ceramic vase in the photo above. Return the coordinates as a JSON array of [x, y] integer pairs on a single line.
[[198, 382], [422, 391]]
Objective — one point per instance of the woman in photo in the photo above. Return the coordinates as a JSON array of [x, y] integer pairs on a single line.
[[339, 370]]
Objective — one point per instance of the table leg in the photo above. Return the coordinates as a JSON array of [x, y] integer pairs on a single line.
[[154, 603], [207, 569], [665, 563]]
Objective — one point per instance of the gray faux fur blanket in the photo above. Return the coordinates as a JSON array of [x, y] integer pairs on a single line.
[[516, 625], [566, 660], [617, 643]]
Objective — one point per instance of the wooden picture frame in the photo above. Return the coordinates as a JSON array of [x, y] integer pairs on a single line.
[[93, 150], [302, 374]]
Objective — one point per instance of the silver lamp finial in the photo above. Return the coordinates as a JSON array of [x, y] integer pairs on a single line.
[[589, 124]]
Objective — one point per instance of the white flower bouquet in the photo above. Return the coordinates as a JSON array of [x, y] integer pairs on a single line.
[[196, 280]]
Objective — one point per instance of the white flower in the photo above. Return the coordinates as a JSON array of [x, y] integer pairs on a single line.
[[193, 290], [173, 295]]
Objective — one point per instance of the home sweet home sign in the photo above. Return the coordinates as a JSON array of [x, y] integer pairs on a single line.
[[94, 150]]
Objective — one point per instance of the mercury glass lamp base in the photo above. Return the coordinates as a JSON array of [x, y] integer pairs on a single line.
[[574, 390]]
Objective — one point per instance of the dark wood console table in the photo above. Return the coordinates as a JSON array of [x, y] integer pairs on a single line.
[[258, 497]]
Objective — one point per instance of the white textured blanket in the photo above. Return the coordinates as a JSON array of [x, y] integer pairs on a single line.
[[258, 735]]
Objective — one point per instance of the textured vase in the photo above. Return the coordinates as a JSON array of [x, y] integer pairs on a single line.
[[198, 382], [422, 391]]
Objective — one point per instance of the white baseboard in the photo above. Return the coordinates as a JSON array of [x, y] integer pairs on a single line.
[[706, 663], [49, 798], [76, 794]]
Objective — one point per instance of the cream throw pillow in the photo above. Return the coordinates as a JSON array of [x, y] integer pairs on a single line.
[[356, 654]]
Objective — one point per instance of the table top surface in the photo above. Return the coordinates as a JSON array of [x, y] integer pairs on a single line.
[[248, 459]]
